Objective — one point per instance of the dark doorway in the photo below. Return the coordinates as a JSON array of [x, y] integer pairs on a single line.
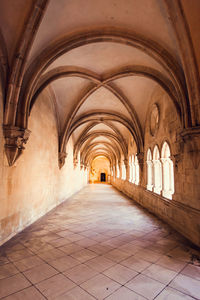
[[103, 177]]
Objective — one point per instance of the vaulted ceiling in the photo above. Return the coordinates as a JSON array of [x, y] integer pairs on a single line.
[[101, 61]]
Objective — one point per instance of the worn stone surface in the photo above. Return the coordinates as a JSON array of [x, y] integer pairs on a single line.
[[128, 253], [85, 82], [183, 211]]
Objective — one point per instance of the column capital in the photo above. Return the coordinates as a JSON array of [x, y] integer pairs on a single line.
[[126, 162], [15, 138], [140, 157], [75, 162], [61, 158], [191, 141]]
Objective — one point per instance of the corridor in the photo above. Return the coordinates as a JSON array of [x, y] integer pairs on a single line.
[[99, 245]]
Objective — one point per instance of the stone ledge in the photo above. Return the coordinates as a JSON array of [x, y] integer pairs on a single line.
[[183, 218]]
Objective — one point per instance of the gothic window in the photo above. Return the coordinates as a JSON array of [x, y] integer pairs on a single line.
[[130, 169], [133, 169], [149, 171], [137, 174], [118, 173], [157, 171], [168, 172], [123, 171]]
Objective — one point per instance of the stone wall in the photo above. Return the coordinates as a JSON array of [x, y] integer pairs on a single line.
[[35, 184], [183, 211], [183, 218]]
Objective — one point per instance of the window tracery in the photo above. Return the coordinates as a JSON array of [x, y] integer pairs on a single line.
[[160, 171], [137, 171], [157, 171], [149, 171], [168, 172], [133, 169], [123, 171], [118, 172]]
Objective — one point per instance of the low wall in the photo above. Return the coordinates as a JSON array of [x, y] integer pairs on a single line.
[[183, 218]]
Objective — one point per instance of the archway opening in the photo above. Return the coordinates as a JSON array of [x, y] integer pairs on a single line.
[[100, 170], [103, 177]]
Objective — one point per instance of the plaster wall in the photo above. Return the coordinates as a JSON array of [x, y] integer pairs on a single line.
[[35, 184]]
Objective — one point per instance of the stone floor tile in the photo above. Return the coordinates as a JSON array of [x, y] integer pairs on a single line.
[[100, 263], [85, 242], [170, 263], [167, 242], [30, 293], [186, 285], [100, 286], [192, 271], [84, 255], [50, 237], [74, 237], [172, 294], [100, 229], [114, 242], [36, 245], [145, 286], [89, 233], [129, 248], [51, 254], [148, 255], [80, 273], [7, 270], [124, 294], [180, 253], [120, 273], [135, 263], [100, 238], [28, 263], [14, 247], [141, 243], [100, 249], [162, 249], [66, 233], [159, 273], [40, 273], [71, 248], [116, 255], [3, 260], [113, 233], [13, 284], [20, 254], [60, 242], [55, 286], [136, 234], [63, 263], [113, 226], [39, 232], [76, 293]]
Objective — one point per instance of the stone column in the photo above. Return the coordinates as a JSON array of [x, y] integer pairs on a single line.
[[120, 169], [61, 158], [127, 166], [140, 157]]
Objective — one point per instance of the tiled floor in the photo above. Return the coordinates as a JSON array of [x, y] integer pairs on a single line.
[[99, 245]]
